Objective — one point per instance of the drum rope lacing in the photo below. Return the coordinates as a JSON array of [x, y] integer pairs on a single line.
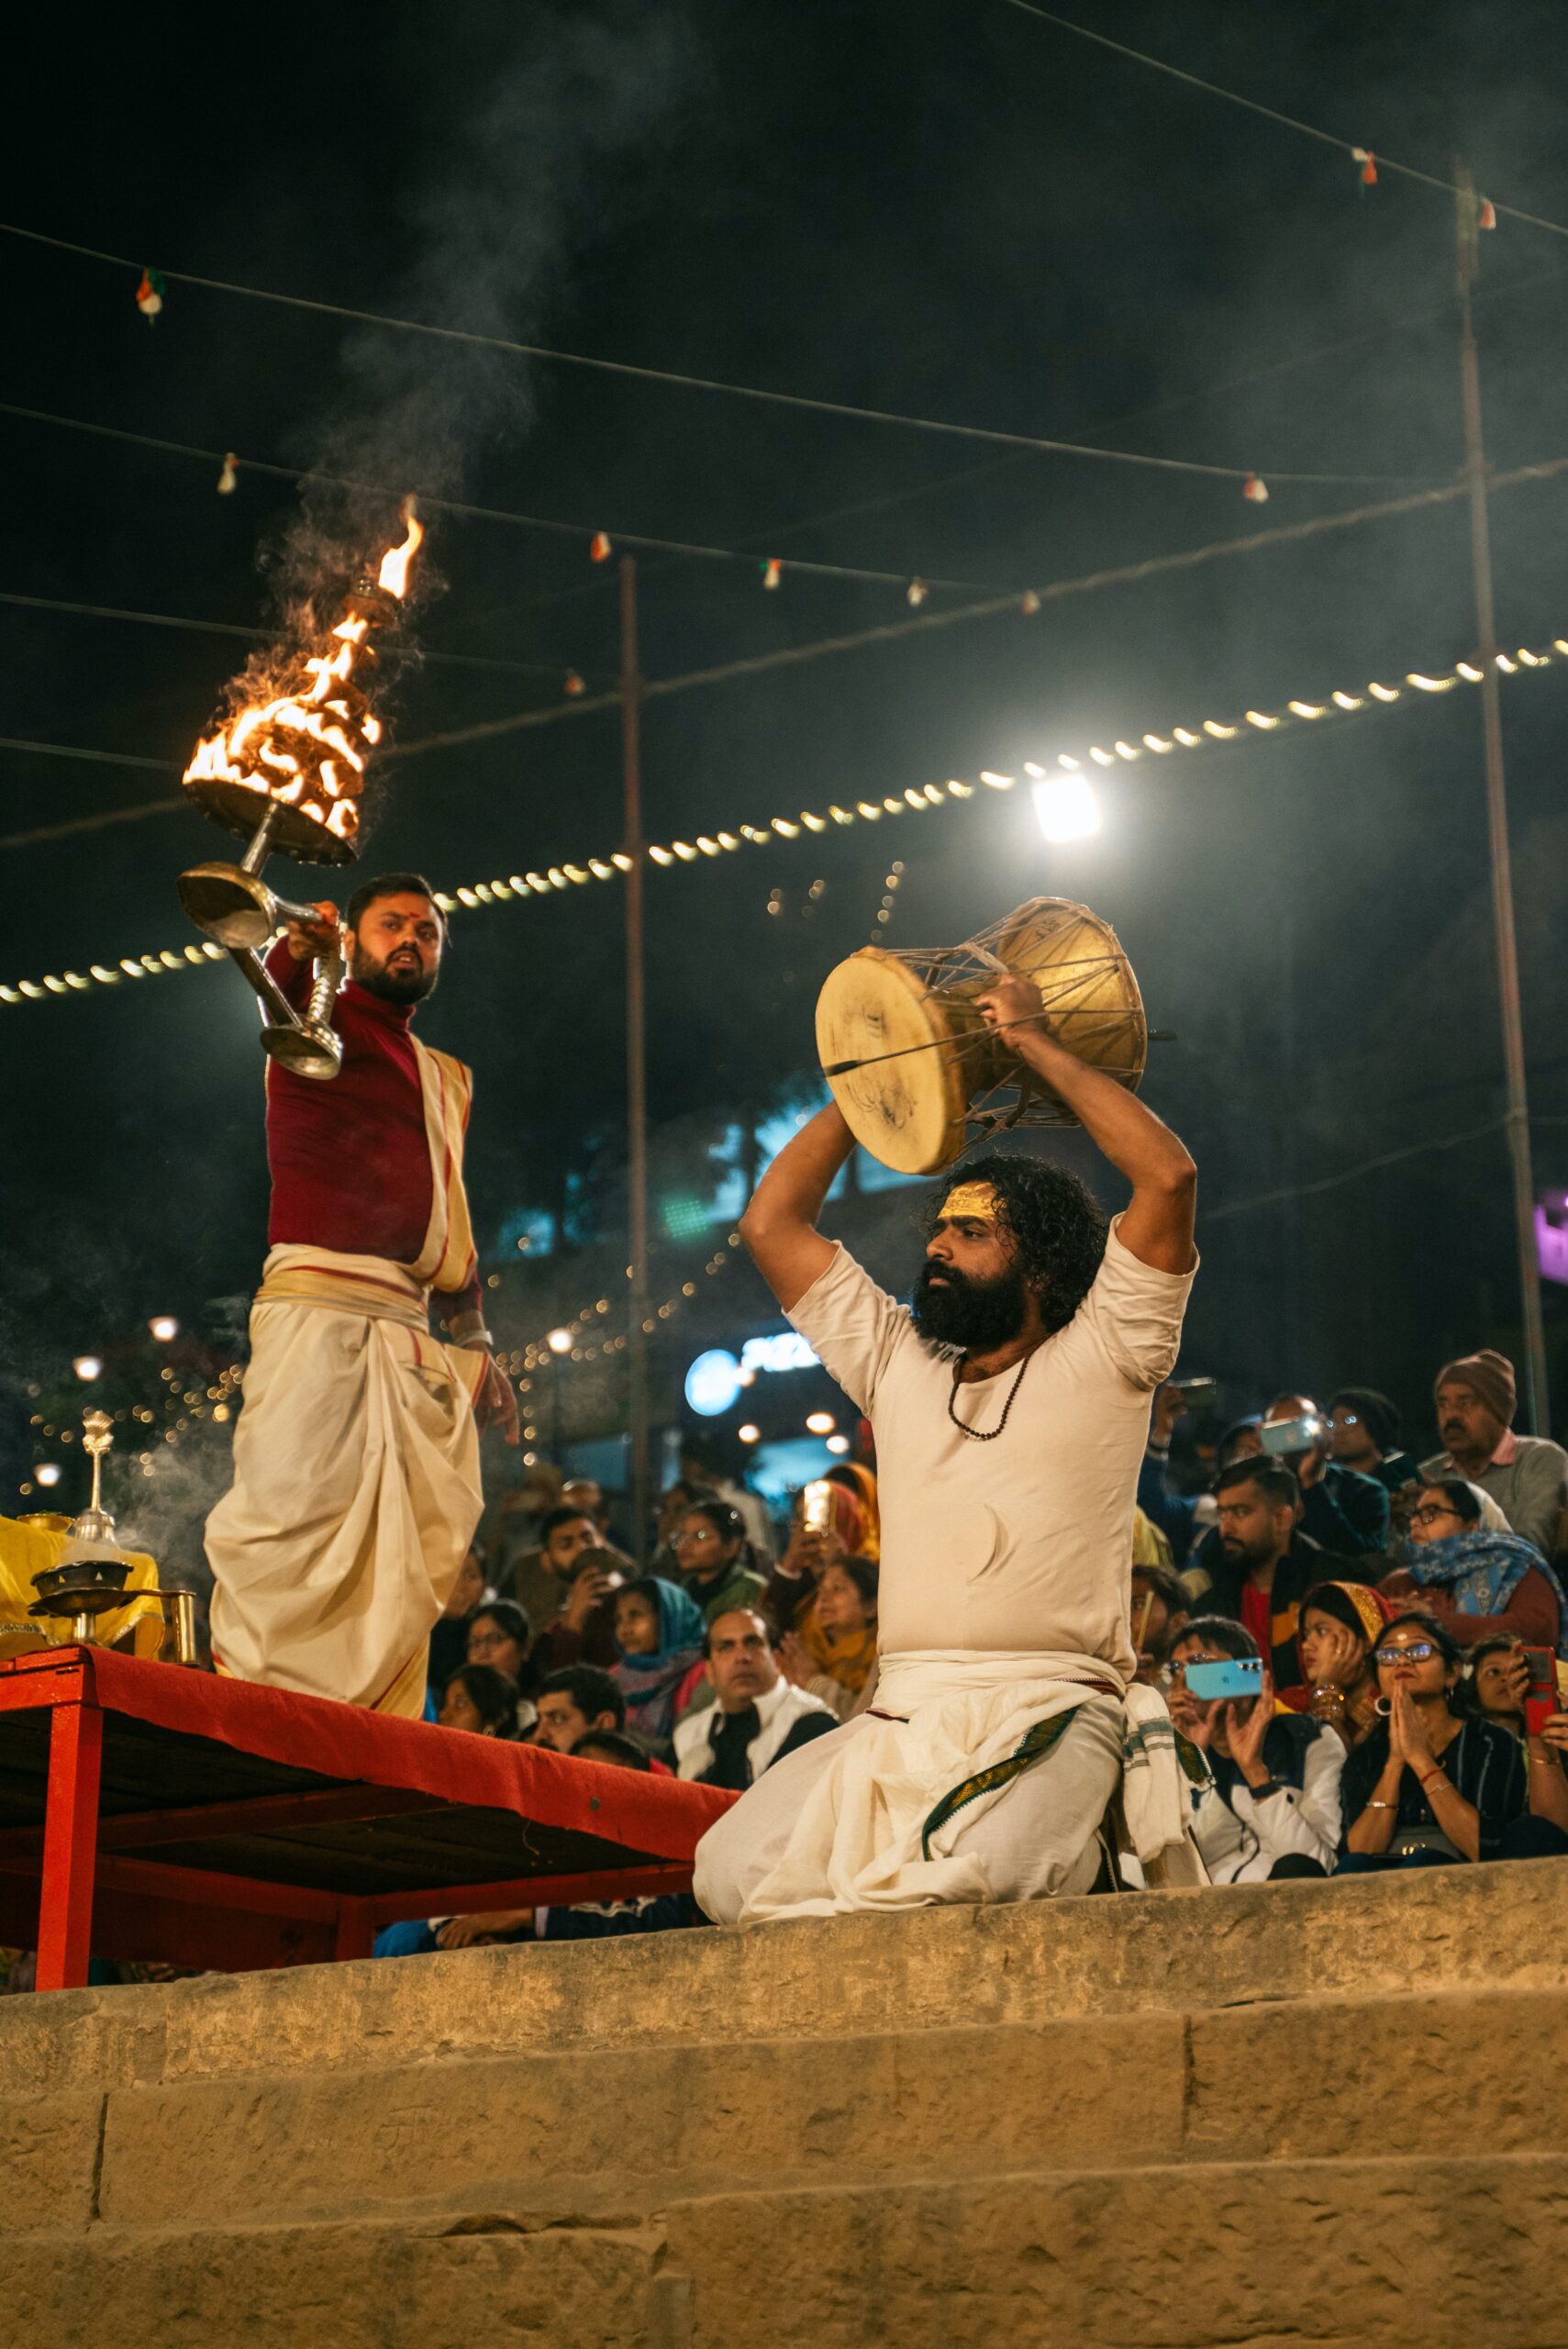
[[985, 1435]]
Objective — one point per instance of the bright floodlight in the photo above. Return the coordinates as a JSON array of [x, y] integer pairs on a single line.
[[164, 1327], [748, 1435], [559, 1341], [838, 1443], [1066, 806], [88, 1367], [47, 1472], [820, 1422]]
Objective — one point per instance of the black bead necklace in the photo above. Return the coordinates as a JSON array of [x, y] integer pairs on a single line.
[[985, 1435]]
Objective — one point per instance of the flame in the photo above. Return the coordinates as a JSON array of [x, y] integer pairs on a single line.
[[308, 746], [393, 578]]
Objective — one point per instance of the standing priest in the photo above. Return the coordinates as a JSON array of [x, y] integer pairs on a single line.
[[356, 1458]]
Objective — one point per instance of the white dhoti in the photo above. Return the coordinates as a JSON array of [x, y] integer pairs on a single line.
[[356, 1460], [992, 1786], [356, 1487]]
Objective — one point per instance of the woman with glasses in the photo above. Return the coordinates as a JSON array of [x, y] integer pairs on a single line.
[[714, 1558], [1434, 1783], [1482, 1583], [498, 1635]]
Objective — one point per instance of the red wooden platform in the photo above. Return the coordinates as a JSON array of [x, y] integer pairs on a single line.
[[287, 1829]]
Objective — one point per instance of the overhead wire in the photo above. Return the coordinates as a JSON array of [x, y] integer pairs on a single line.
[[233, 627], [801, 401], [892, 631], [589, 705], [1384, 162], [1208, 734], [466, 509]]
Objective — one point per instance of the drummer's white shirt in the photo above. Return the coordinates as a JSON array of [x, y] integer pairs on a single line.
[[1024, 1544]]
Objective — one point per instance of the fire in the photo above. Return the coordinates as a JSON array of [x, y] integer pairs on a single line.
[[305, 749], [394, 575]]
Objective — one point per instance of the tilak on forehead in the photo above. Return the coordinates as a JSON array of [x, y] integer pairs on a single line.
[[977, 1201]]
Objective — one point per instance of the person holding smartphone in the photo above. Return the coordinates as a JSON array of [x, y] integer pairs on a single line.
[[1271, 1806], [1437, 1783]]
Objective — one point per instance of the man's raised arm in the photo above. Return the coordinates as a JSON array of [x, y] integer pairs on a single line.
[[1157, 1226], [780, 1225]]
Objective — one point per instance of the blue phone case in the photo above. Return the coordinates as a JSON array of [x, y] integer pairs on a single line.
[[1242, 1677]]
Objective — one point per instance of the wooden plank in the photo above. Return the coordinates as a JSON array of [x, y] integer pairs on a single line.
[[211, 1821]]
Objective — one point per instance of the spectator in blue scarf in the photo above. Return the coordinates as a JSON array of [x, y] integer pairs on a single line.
[[1480, 1582], [659, 1632]]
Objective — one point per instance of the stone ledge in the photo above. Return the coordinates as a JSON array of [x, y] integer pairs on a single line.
[[1034, 1962], [1326, 2255]]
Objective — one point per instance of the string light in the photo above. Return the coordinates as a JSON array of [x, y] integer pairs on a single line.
[[561, 1345], [516, 886]]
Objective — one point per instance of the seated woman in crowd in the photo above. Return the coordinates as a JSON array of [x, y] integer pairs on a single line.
[[482, 1700], [1340, 1625], [1435, 1783], [449, 1641], [1498, 1679], [832, 1652], [499, 1635], [1272, 1808], [715, 1559], [1478, 1580], [658, 1631], [852, 1533]]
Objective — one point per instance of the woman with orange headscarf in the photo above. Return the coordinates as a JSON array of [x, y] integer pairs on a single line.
[[830, 1651], [1340, 1625]]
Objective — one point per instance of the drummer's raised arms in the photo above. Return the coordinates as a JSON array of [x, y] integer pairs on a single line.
[[1157, 1225], [780, 1225]]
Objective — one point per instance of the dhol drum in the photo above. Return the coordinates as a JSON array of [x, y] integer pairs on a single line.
[[912, 1064]]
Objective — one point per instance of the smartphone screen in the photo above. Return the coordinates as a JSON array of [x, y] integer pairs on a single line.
[[1541, 1695], [817, 1506], [1237, 1676], [1287, 1436]]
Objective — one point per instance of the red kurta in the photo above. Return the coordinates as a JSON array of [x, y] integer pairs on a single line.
[[350, 1158]]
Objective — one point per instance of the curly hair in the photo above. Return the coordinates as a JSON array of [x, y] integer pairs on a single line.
[[1056, 1225]]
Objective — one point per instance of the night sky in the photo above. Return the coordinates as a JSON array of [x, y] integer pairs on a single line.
[[949, 209]]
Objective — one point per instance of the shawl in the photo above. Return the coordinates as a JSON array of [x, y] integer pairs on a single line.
[[1481, 1571], [649, 1683], [847, 1658]]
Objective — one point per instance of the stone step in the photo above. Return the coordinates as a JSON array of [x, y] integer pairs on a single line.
[[1351, 2253], [1271, 2083], [934, 1968]]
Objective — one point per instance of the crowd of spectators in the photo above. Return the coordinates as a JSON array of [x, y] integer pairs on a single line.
[[1407, 1617], [1397, 1616], [1402, 1621]]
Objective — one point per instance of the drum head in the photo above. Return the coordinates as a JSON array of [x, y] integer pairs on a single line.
[[908, 1112], [1086, 982]]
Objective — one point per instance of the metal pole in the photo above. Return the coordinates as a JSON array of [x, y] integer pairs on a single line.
[[636, 1061], [1517, 1118]]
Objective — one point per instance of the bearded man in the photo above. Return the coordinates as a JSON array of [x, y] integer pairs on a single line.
[[1009, 1408], [356, 1458]]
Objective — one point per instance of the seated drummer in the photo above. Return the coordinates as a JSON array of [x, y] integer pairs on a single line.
[[1009, 1406]]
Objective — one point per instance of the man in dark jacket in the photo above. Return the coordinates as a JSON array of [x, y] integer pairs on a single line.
[[1341, 1510], [1267, 1565]]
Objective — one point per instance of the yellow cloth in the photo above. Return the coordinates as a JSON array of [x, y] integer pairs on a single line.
[[1151, 1547], [847, 1658], [29, 1546]]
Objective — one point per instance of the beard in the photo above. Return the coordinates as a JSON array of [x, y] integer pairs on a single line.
[[408, 982], [978, 1315]]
